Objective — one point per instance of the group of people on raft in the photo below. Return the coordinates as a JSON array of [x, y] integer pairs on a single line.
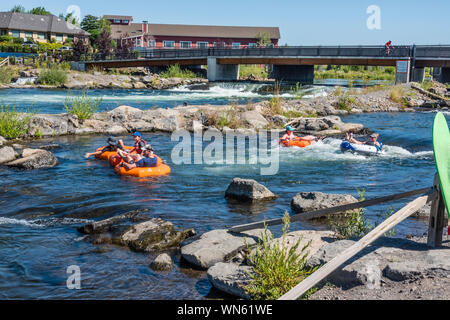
[[289, 136], [139, 156]]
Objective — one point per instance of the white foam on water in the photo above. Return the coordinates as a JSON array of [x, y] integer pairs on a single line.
[[22, 222], [41, 223]]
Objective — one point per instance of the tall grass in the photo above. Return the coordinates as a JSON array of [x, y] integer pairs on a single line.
[[7, 74], [13, 123], [175, 71], [53, 76], [82, 105], [397, 94], [277, 267], [247, 70]]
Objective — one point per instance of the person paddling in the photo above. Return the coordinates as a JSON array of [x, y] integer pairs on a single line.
[[112, 146]]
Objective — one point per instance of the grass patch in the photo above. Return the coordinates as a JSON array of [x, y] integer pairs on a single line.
[[53, 76], [426, 85], [253, 70], [13, 123], [82, 105], [175, 71], [345, 102], [277, 267], [397, 94]]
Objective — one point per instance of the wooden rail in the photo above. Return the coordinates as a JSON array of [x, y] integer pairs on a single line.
[[333, 264], [322, 212], [6, 61]]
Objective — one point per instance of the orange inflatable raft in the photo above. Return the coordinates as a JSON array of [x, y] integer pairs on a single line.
[[108, 154], [161, 169], [296, 143]]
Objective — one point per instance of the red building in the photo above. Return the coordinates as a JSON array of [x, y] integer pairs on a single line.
[[166, 36]]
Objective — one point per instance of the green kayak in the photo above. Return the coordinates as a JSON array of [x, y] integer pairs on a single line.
[[441, 147]]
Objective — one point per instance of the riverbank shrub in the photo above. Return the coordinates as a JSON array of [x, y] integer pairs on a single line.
[[277, 267], [397, 94], [352, 224], [175, 71], [7, 74], [54, 76], [13, 123], [82, 105]]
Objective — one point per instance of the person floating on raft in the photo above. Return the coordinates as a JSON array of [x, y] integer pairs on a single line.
[[373, 140], [289, 139], [139, 143], [146, 159], [112, 146]]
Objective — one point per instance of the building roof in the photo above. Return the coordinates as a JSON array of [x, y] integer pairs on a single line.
[[38, 23], [180, 30], [112, 17]]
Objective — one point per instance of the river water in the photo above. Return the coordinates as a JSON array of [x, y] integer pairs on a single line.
[[41, 209]]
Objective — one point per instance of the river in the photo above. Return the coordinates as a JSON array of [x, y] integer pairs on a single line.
[[40, 210]]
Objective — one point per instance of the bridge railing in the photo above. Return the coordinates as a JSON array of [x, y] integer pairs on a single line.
[[304, 51], [437, 51]]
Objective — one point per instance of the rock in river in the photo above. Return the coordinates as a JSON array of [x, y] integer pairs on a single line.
[[310, 201], [163, 262], [7, 154], [218, 246], [34, 159], [248, 190]]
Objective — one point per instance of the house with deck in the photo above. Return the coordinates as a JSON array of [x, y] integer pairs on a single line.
[[40, 28], [178, 36]]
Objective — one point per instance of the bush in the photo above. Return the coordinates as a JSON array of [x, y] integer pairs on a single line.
[[53, 76], [276, 267], [13, 124], [82, 106], [7, 74], [397, 94], [352, 224]]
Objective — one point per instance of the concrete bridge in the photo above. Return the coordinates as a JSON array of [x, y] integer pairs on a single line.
[[292, 63]]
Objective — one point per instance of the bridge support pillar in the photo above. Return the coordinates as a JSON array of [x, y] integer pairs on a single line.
[[402, 71], [445, 75], [222, 72], [418, 74], [300, 73]]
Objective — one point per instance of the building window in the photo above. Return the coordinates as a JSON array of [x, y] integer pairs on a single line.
[[252, 45], [236, 45], [41, 36], [138, 42], [117, 21], [219, 44], [15, 33], [59, 37], [151, 43], [185, 44], [3, 32], [126, 21], [202, 45], [28, 35], [168, 44]]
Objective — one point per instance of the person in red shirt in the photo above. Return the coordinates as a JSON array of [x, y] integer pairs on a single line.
[[388, 47]]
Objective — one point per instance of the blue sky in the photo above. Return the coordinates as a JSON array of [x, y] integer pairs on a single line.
[[326, 22]]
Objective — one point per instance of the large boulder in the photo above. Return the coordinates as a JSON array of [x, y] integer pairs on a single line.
[[7, 154], [230, 278], [151, 235], [105, 225], [310, 201], [248, 190], [2, 141], [395, 258], [34, 159], [255, 119], [218, 246]]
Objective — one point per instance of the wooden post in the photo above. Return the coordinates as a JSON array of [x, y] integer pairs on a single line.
[[337, 261], [437, 218]]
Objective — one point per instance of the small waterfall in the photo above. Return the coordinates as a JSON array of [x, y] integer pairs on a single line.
[[25, 80]]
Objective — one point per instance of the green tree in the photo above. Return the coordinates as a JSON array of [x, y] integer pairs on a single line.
[[40, 11], [94, 26], [263, 39], [104, 42], [18, 8]]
